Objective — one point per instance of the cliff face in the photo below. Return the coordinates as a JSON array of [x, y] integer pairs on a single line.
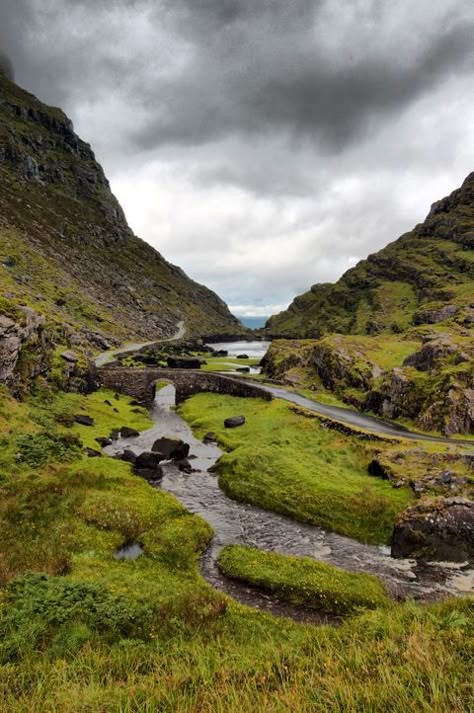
[[424, 277], [66, 251]]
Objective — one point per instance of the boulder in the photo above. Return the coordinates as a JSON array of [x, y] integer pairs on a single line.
[[84, 420], [149, 460], [104, 442], [153, 475], [92, 453], [243, 369], [185, 466], [234, 422], [221, 353], [210, 437], [441, 529], [127, 455], [171, 448], [127, 432], [184, 363], [242, 356]]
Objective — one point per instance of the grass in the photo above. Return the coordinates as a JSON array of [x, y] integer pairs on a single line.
[[289, 464], [226, 363], [109, 410], [95, 634], [303, 581]]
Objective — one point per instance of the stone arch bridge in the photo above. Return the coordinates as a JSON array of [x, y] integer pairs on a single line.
[[141, 383]]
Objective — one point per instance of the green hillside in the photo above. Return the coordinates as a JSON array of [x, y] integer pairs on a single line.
[[424, 277]]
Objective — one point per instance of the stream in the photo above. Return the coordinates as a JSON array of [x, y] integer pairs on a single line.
[[237, 523]]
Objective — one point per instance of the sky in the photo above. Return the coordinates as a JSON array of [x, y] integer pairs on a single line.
[[262, 145]]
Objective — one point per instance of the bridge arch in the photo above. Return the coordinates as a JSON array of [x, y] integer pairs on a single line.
[[141, 383]]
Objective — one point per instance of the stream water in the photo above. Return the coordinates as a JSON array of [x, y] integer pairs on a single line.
[[238, 523]]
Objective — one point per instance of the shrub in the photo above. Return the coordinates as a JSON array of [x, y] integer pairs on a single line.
[[36, 449], [40, 611]]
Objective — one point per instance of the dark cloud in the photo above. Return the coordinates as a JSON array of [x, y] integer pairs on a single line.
[[260, 142]]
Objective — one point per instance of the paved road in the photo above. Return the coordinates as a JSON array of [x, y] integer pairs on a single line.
[[360, 420], [109, 356], [337, 413]]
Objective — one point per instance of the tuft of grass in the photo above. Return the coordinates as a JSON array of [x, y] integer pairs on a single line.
[[303, 581]]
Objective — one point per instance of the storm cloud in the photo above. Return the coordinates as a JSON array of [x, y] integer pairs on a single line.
[[263, 145]]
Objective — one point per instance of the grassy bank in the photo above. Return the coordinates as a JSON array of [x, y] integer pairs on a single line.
[[287, 463], [81, 632], [302, 580]]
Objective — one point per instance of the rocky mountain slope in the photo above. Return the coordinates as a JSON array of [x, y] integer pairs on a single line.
[[424, 277], [67, 253], [395, 334]]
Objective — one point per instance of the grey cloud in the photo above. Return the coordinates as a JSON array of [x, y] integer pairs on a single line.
[[312, 131]]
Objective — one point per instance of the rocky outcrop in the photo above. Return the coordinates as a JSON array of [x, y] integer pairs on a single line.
[[441, 529], [20, 335], [436, 353]]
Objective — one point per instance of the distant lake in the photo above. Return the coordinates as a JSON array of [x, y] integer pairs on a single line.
[[253, 322], [255, 350]]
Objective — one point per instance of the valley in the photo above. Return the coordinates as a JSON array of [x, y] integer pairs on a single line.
[[196, 516]]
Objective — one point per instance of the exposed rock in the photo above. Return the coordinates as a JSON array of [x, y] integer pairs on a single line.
[[242, 356], [433, 353], [127, 455], [184, 363], [92, 453], [243, 370], [84, 420], [442, 529], [210, 437], [153, 475], [127, 432], [234, 421], [434, 316], [171, 448], [70, 357], [185, 466], [149, 460], [24, 333], [104, 442]]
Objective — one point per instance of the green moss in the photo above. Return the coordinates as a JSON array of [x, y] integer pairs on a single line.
[[97, 634], [290, 464], [303, 581]]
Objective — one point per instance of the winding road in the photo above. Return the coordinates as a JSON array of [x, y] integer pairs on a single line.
[[345, 416], [360, 420], [109, 356]]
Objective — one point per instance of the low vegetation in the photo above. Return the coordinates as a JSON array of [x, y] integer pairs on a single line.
[[82, 632], [287, 463], [304, 581]]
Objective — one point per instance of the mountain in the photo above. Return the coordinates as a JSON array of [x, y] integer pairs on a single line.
[[395, 334], [424, 277], [68, 259]]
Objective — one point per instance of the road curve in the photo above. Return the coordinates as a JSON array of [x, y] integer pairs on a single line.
[[337, 413], [108, 356], [360, 420]]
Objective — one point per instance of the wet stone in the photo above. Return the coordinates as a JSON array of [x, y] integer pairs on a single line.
[[234, 422]]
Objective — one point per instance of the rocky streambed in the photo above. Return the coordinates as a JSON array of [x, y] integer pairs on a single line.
[[238, 523]]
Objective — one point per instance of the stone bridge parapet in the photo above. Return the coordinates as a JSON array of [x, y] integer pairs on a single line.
[[140, 383]]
